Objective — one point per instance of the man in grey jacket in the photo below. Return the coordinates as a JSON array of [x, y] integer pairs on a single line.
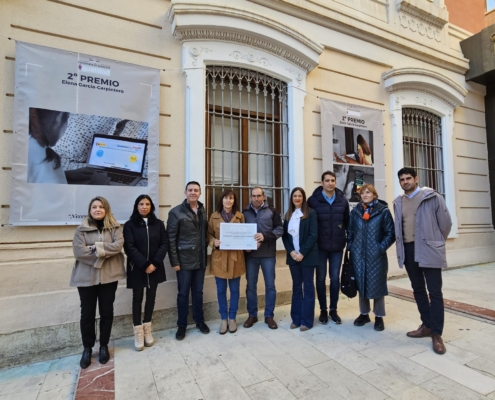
[[269, 228], [422, 225]]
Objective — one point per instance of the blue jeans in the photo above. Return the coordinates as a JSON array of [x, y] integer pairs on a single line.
[[190, 281], [252, 271], [334, 259], [302, 310], [222, 296]]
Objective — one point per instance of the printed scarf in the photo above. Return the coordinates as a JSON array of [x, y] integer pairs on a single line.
[[368, 208]]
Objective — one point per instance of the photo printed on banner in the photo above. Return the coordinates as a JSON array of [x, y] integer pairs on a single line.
[[80, 149]]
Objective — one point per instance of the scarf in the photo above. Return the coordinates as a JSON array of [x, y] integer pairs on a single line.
[[368, 208], [293, 228], [226, 216]]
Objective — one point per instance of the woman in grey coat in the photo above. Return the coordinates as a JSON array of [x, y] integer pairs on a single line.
[[370, 233]]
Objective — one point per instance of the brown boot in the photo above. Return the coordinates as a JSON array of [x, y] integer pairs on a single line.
[[250, 322], [438, 346], [422, 331], [271, 323]]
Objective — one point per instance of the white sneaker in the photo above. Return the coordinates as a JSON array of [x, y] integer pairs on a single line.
[[148, 338], [138, 338]]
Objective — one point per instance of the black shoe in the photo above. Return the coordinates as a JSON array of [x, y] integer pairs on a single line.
[[203, 328], [86, 357], [379, 325], [335, 317], [362, 319], [104, 355], [323, 318], [181, 333]]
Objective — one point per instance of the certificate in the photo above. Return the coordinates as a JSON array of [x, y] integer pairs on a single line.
[[237, 236]]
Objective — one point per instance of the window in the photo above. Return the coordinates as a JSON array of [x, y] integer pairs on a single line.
[[490, 5], [422, 143], [246, 135]]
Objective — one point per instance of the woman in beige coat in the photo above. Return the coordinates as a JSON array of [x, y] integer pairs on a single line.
[[226, 265], [99, 265]]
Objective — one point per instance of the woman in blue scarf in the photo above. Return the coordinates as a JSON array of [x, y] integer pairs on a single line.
[[370, 233]]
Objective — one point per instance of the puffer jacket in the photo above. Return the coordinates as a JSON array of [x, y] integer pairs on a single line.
[[332, 219], [269, 223], [106, 264], [433, 224], [367, 242], [187, 233], [145, 245]]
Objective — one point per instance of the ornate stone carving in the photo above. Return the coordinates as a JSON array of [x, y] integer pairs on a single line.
[[251, 58], [195, 53], [414, 88], [423, 29], [431, 14], [210, 34], [297, 75]]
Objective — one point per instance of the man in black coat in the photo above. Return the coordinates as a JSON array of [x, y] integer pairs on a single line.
[[187, 230], [332, 209]]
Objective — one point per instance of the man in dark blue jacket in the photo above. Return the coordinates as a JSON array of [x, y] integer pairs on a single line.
[[332, 209], [269, 227]]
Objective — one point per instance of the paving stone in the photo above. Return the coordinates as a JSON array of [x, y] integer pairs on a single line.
[[483, 365], [458, 373], [446, 389], [271, 389], [221, 386], [343, 382], [58, 393], [28, 378], [408, 369]]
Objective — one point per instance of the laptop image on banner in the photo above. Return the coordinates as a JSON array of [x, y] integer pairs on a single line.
[[121, 158]]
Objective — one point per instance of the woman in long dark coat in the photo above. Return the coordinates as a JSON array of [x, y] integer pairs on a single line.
[[146, 245], [370, 233]]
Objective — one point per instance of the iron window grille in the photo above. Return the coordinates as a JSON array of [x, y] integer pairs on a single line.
[[422, 143], [246, 136]]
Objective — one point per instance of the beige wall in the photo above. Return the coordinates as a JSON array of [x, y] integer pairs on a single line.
[[35, 262]]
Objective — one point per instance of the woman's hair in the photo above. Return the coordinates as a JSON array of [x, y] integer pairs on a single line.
[[41, 129], [292, 208], [226, 193], [364, 145], [371, 188], [109, 222], [136, 217]]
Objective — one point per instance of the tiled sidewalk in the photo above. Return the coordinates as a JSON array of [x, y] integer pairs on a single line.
[[326, 362]]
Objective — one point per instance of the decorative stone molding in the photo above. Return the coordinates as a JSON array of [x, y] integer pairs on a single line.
[[196, 52], [425, 81], [193, 21], [429, 13], [251, 58], [423, 29], [210, 34], [297, 74]]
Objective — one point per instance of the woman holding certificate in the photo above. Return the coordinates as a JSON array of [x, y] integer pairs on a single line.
[[226, 265], [300, 241]]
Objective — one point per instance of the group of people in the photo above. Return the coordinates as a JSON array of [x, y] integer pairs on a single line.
[[315, 233]]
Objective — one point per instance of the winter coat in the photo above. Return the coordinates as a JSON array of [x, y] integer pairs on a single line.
[[332, 219], [145, 245], [269, 223], [308, 238], [367, 242], [225, 264], [187, 233], [433, 224], [106, 264]]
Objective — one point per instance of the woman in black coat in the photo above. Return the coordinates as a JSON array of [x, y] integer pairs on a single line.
[[300, 240], [146, 244], [370, 233]]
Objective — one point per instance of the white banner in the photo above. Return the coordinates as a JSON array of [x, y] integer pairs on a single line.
[[353, 147], [84, 126]]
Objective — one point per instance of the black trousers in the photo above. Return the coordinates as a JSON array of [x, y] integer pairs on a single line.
[[104, 295], [431, 309], [149, 305]]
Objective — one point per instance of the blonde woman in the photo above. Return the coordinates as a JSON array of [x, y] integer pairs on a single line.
[[99, 266]]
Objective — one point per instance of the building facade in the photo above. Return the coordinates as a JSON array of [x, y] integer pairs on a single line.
[[241, 84]]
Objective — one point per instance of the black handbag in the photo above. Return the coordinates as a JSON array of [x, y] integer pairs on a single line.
[[347, 278]]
